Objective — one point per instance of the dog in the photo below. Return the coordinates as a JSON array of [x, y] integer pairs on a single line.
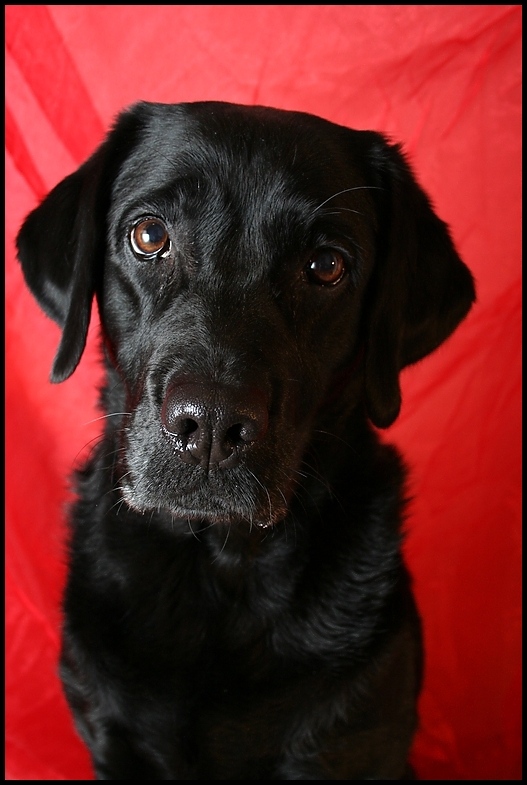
[[237, 605]]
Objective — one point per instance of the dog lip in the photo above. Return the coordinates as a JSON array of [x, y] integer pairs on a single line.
[[217, 515], [222, 518], [188, 505]]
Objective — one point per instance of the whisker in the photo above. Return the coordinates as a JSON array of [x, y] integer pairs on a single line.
[[107, 416], [270, 519], [192, 530], [345, 191], [224, 544], [347, 444]]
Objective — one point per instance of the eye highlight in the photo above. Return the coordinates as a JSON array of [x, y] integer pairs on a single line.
[[326, 267], [149, 238]]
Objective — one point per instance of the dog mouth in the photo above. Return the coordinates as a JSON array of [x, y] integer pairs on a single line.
[[215, 517], [205, 508], [254, 490]]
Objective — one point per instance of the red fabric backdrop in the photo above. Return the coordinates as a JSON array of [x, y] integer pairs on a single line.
[[445, 80]]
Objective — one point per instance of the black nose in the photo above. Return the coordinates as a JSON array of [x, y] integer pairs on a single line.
[[211, 425]]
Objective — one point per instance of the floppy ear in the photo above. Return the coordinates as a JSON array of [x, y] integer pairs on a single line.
[[420, 289], [62, 244]]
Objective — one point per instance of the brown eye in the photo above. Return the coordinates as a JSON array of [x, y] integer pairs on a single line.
[[149, 238], [326, 267]]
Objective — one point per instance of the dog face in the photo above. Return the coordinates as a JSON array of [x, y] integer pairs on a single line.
[[249, 264]]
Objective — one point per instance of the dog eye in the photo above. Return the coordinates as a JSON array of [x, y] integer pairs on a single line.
[[326, 267], [149, 238]]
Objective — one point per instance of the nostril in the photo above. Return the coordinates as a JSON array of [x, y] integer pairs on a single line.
[[236, 435], [185, 426], [243, 433], [181, 415]]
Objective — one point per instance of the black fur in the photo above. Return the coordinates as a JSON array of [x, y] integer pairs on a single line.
[[237, 606]]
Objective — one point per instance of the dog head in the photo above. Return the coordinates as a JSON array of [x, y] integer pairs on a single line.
[[259, 274]]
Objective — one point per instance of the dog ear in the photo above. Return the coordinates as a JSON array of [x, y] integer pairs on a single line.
[[62, 244], [420, 289]]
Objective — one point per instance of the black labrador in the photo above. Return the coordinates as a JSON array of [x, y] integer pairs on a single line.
[[237, 606]]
